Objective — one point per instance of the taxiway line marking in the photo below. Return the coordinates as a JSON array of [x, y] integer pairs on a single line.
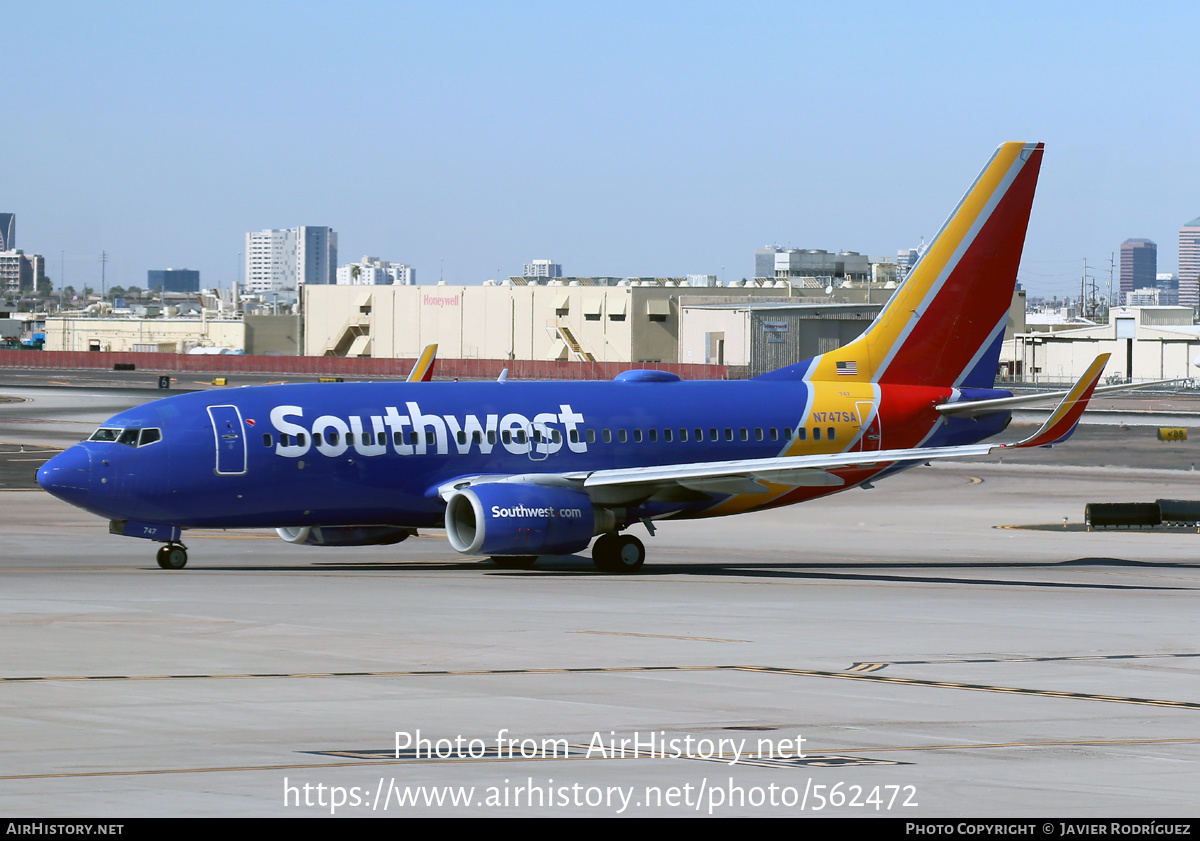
[[978, 687], [655, 636], [895, 681]]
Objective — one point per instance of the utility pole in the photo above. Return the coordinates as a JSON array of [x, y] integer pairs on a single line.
[[103, 277], [1111, 264]]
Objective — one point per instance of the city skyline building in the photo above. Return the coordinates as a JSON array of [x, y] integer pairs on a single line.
[[1189, 264], [371, 271], [286, 258], [779, 263], [173, 280], [543, 268], [1139, 265], [21, 272], [8, 232]]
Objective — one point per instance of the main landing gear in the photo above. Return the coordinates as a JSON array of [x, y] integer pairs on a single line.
[[618, 553], [172, 556]]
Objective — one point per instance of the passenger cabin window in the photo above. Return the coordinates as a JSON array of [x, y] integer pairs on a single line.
[[816, 433], [637, 436], [622, 436], [606, 435], [591, 436], [832, 433], [266, 439]]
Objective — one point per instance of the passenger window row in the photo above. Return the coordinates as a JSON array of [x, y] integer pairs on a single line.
[[623, 436]]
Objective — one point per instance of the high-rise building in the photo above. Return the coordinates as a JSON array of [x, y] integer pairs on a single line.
[[1139, 265], [371, 271], [1189, 264], [285, 258], [543, 268], [173, 280], [8, 231], [21, 272]]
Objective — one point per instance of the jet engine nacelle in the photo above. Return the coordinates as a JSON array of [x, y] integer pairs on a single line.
[[344, 535], [509, 518]]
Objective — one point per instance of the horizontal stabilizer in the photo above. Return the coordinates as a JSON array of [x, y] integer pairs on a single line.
[[976, 408]]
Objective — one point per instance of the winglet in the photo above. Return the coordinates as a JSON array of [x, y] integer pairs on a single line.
[[1062, 421], [422, 372]]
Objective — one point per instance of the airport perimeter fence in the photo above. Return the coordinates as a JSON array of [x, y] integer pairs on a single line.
[[1063, 384], [339, 366]]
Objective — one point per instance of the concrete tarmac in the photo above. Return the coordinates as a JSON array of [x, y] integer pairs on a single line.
[[936, 660]]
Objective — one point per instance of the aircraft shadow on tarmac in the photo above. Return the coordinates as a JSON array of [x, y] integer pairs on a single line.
[[579, 566]]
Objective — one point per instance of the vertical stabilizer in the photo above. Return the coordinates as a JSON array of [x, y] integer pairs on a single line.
[[945, 323]]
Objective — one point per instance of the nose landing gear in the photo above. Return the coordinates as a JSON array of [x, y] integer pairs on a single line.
[[172, 556]]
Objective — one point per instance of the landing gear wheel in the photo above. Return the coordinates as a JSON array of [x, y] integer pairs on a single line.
[[515, 561], [172, 556], [618, 553]]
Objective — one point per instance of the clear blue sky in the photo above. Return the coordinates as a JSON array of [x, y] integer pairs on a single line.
[[616, 138]]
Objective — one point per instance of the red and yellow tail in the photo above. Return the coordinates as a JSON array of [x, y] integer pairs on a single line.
[[944, 325]]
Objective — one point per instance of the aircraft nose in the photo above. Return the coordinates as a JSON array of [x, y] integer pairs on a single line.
[[68, 475]]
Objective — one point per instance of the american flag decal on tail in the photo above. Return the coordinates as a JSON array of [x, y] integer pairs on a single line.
[[849, 369]]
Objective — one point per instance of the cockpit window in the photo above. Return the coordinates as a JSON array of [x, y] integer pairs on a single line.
[[132, 437]]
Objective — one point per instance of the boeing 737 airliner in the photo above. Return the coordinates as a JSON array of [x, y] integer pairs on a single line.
[[514, 470]]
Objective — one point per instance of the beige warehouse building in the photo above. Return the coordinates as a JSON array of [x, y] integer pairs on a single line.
[[1146, 343], [633, 323], [255, 334]]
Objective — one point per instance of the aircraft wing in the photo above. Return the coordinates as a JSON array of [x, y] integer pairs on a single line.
[[1063, 420], [422, 372], [745, 476]]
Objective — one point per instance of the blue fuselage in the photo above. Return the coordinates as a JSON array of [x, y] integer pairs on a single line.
[[378, 453]]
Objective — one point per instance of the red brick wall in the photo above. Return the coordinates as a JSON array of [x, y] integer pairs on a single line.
[[336, 366]]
